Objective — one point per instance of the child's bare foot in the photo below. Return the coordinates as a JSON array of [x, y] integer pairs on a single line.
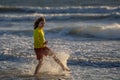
[[66, 69]]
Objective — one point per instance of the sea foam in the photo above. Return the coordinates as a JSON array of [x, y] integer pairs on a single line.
[[50, 66], [110, 31]]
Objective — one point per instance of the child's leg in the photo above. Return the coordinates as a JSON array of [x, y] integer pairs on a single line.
[[50, 53], [60, 63], [38, 66]]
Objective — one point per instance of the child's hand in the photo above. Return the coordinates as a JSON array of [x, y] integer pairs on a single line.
[[46, 42]]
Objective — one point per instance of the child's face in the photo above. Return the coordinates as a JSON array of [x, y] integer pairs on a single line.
[[41, 24]]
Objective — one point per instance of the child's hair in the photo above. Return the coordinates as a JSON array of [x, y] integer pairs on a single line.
[[36, 23]]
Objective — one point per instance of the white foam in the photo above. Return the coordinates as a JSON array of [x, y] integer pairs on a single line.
[[109, 31], [50, 66]]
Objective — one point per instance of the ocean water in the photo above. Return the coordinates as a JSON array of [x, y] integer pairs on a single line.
[[84, 34]]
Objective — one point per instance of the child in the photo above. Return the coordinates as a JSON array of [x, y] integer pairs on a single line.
[[40, 47]]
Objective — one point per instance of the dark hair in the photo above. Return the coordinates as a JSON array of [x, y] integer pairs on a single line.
[[36, 23]]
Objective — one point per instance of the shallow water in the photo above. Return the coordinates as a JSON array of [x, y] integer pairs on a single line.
[[89, 59]]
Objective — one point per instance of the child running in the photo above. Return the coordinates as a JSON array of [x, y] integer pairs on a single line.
[[40, 47]]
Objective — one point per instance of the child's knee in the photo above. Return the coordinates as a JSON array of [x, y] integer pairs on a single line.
[[51, 54], [40, 60]]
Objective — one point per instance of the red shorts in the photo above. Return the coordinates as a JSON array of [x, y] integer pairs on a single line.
[[40, 52]]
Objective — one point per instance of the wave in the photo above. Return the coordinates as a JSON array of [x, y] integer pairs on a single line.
[[104, 32], [20, 13], [67, 9], [49, 17], [14, 9], [99, 32]]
